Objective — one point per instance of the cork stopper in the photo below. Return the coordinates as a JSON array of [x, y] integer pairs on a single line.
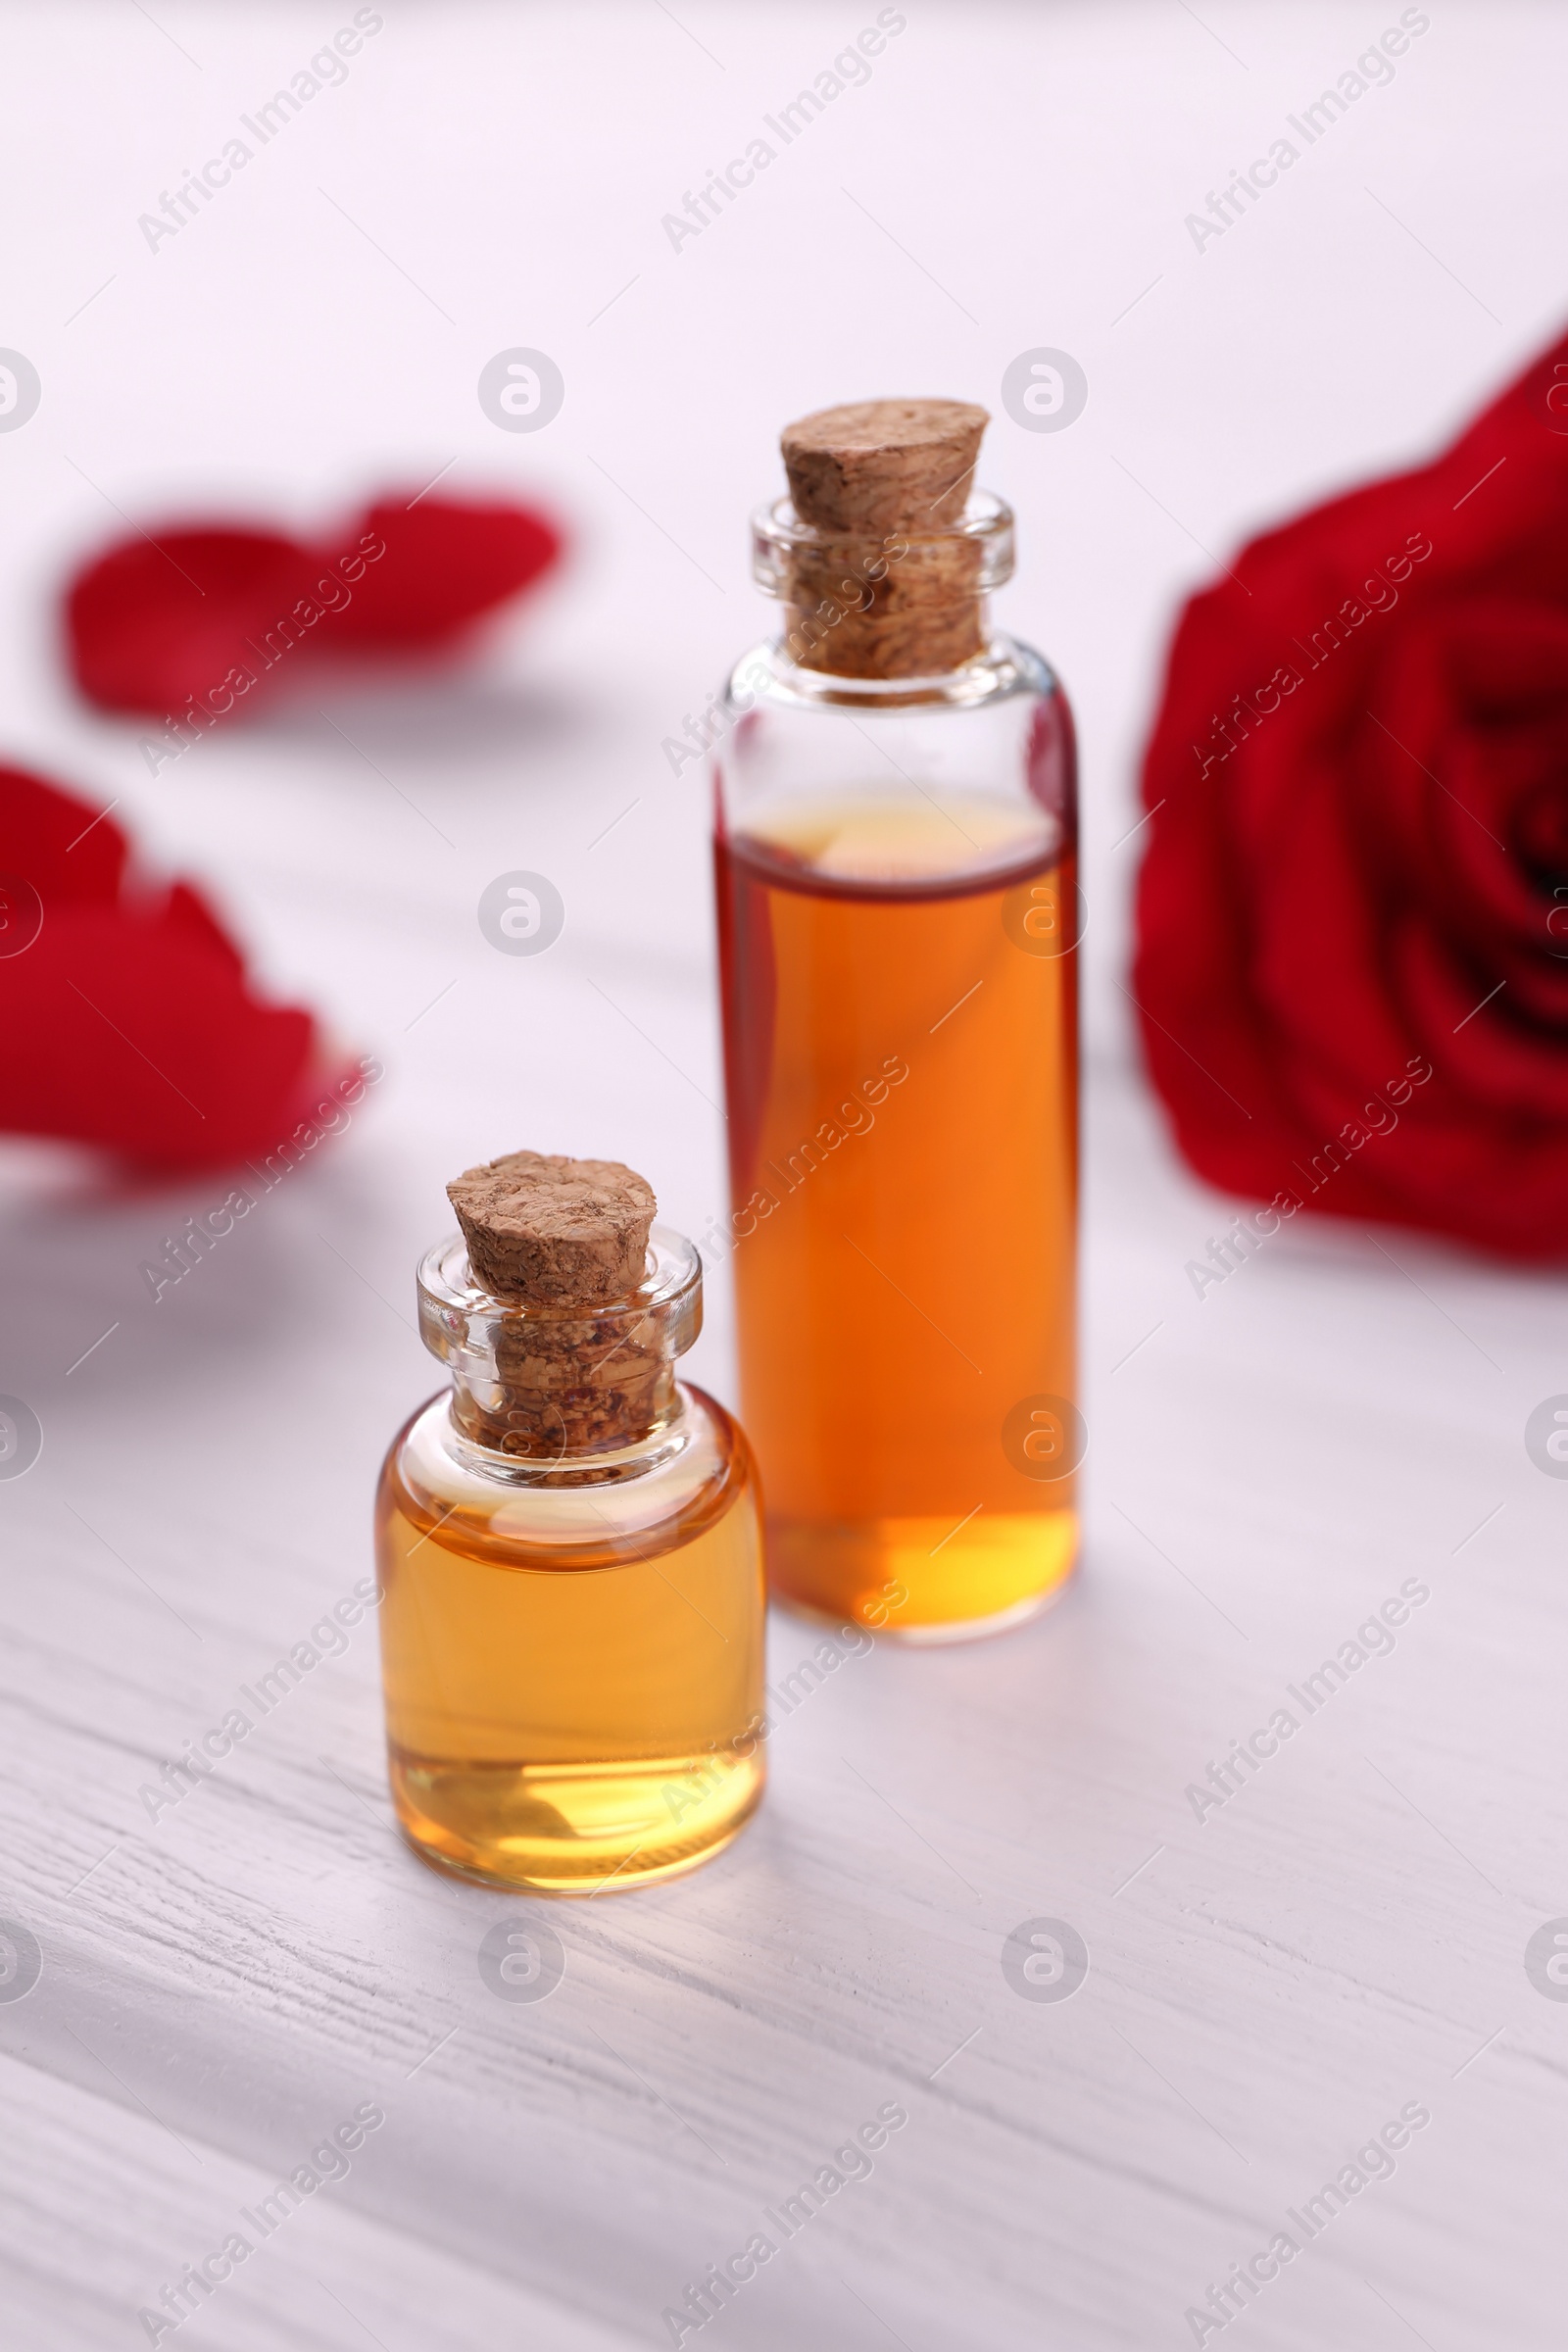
[[553, 1231], [578, 1361], [884, 583], [877, 466]]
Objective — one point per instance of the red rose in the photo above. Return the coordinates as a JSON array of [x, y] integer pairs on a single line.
[[1353, 916]]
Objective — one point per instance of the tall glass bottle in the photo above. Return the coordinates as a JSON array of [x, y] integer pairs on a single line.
[[899, 919]]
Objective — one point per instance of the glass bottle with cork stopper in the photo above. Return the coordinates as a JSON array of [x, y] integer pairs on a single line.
[[569, 1549], [899, 919]]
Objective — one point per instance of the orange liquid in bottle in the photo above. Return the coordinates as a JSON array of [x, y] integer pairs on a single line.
[[902, 1059], [563, 1717]]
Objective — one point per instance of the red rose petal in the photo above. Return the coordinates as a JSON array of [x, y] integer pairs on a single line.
[[126, 1022], [444, 564], [207, 616]]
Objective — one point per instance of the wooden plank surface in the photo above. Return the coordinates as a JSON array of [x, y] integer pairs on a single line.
[[1270, 1983]]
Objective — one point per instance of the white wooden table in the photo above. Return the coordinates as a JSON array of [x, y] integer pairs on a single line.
[[1269, 1985]]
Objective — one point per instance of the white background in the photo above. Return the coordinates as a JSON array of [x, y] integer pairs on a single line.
[[1275, 1982]]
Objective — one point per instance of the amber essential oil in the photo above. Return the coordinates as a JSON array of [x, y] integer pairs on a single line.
[[571, 1631], [898, 923]]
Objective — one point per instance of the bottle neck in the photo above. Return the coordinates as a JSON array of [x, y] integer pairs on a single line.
[[880, 640], [563, 1400], [908, 605], [562, 1390]]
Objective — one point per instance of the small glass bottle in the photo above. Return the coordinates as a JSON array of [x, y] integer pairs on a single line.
[[569, 1549], [899, 918]]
